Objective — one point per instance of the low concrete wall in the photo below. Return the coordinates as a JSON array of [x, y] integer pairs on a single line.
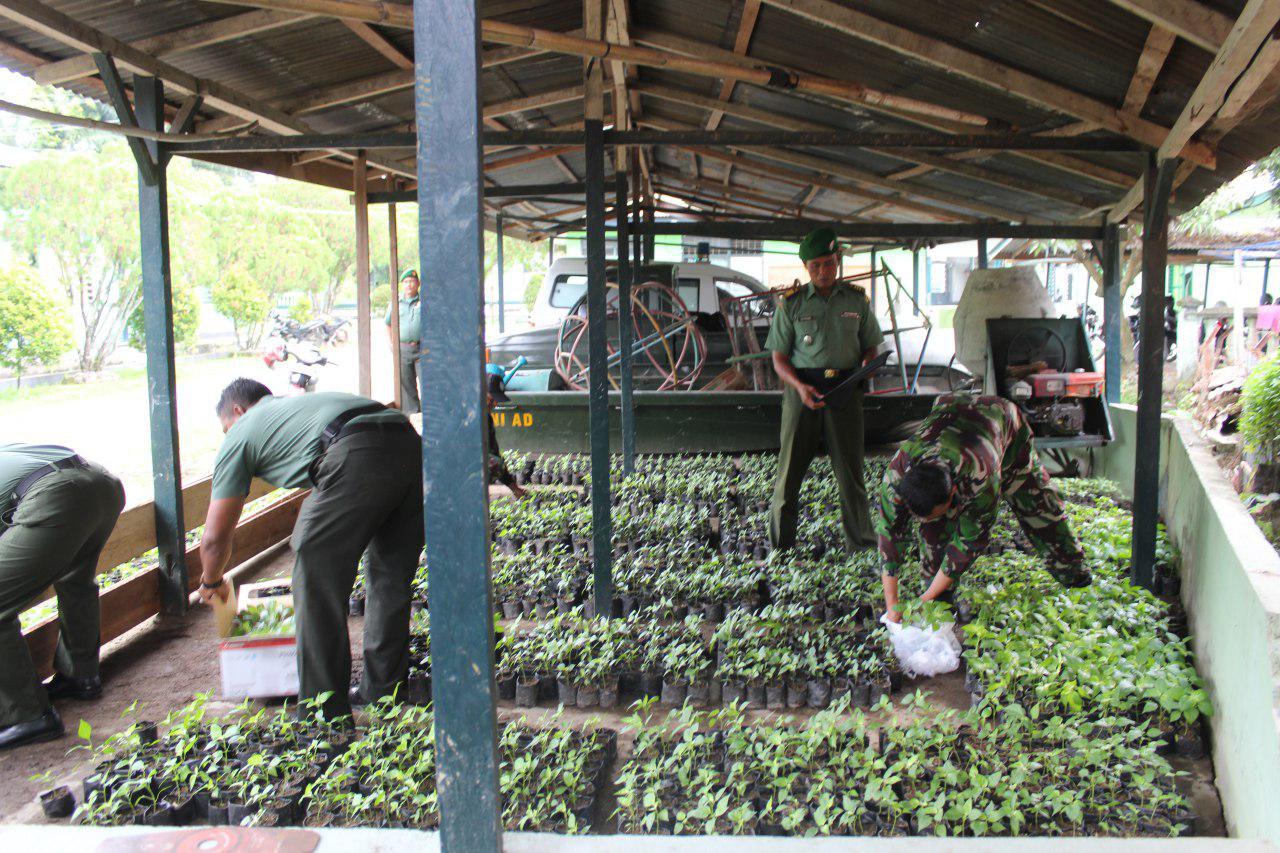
[[1231, 588]]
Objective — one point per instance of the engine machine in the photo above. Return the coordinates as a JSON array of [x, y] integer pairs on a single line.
[[1045, 366]]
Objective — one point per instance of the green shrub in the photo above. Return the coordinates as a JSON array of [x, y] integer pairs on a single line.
[[34, 327], [1260, 423], [186, 320]]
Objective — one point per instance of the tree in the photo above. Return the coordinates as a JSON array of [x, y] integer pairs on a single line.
[[80, 211], [33, 327], [186, 319], [244, 301]]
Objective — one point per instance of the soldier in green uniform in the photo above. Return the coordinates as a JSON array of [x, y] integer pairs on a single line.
[[56, 512], [821, 333], [363, 463], [970, 453], [410, 332]]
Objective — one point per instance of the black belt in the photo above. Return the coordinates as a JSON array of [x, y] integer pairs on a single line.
[[824, 378], [339, 424], [26, 483], [378, 426]]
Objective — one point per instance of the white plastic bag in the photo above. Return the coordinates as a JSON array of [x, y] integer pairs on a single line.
[[924, 651]]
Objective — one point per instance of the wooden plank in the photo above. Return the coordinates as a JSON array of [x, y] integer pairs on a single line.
[[1194, 21], [1251, 29], [135, 532], [176, 41], [53, 24], [1154, 52], [128, 604], [381, 44], [955, 60], [741, 40]]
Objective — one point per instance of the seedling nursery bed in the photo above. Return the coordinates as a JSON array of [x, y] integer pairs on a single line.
[[735, 690]]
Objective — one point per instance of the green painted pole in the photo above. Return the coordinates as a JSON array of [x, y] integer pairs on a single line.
[[455, 456]]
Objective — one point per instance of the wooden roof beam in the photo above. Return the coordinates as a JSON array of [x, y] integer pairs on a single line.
[[1193, 21], [55, 25], [741, 41], [502, 32], [175, 41], [381, 44], [1247, 58], [1154, 52], [933, 161], [954, 60], [1056, 159]]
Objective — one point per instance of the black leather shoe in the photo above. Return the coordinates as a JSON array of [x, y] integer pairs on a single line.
[[65, 687], [45, 727], [356, 698]]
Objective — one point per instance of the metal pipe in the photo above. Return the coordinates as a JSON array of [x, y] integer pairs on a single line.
[[887, 231], [502, 310]]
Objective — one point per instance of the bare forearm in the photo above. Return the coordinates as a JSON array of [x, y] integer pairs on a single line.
[[890, 584], [941, 583], [214, 556], [786, 371]]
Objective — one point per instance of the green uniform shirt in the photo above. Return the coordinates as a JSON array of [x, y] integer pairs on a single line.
[[410, 320], [825, 332], [19, 460], [279, 438]]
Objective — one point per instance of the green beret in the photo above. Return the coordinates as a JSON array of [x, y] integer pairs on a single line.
[[409, 272], [820, 242]]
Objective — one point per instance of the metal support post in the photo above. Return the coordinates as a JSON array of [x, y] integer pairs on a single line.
[[1266, 275], [364, 324], [500, 238], [157, 319], [1208, 267], [598, 379], [551, 251], [626, 331], [649, 235], [455, 454], [982, 253], [1112, 313], [393, 278], [915, 282], [1146, 474], [872, 283]]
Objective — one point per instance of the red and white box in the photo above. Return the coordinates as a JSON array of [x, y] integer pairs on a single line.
[[260, 667]]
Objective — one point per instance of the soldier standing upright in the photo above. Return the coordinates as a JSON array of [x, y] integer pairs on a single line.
[[821, 333], [969, 453]]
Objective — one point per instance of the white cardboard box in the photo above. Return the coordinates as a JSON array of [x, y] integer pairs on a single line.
[[259, 667]]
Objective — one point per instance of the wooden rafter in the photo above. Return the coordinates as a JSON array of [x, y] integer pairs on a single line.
[[1154, 52], [176, 41], [1245, 60], [957, 61], [381, 44], [1192, 20], [1058, 160], [65, 29], [958, 167], [741, 41]]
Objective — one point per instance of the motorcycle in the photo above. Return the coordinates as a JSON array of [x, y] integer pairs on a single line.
[[304, 381]]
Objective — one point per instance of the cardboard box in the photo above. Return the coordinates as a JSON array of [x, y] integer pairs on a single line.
[[260, 667]]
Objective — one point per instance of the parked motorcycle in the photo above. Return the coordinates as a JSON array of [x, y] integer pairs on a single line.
[[304, 381]]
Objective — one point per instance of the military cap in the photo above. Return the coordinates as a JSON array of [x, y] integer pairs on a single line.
[[409, 272], [817, 243]]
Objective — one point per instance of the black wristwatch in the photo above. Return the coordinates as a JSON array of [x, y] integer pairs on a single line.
[[204, 585]]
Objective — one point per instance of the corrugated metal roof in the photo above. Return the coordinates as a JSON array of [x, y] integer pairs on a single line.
[[1088, 46]]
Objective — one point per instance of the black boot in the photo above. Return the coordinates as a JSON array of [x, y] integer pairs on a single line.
[[45, 727], [65, 687]]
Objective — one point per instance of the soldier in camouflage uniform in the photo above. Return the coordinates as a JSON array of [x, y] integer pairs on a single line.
[[970, 452]]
